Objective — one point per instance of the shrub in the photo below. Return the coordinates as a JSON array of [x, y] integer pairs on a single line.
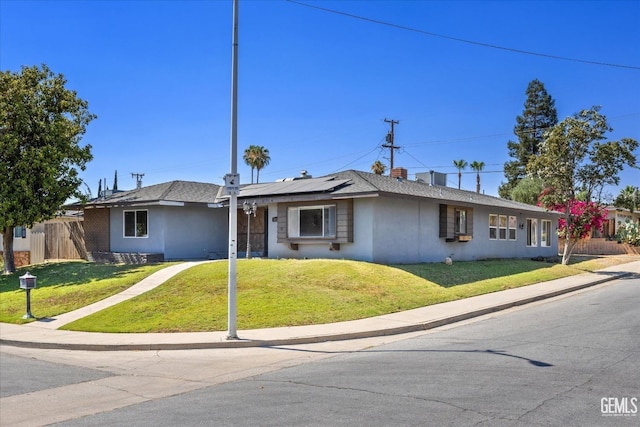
[[629, 232]]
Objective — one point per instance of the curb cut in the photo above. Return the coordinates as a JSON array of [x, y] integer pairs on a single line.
[[245, 343]]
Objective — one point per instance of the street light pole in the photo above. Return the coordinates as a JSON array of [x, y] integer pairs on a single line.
[[249, 209], [233, 202]]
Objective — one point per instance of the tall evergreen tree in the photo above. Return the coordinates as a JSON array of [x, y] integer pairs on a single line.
[[539, 115], [115, 182]]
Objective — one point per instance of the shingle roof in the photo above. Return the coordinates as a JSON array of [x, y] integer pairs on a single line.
[[174, 191], [352, 183], [365, 182]]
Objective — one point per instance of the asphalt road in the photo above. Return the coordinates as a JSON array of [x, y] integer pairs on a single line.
[[550, 363]]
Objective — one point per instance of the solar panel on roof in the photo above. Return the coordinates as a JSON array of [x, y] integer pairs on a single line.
[[292, 187]]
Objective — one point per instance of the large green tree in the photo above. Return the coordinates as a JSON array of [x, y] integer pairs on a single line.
[[41, 126], [539, 115], [575, 158]]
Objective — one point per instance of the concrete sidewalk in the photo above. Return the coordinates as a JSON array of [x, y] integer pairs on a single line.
[[42, 334]]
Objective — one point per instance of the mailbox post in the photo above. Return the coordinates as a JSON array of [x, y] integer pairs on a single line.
[[28, 282]]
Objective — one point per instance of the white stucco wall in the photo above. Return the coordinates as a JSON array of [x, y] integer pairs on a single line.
[[19, 243]]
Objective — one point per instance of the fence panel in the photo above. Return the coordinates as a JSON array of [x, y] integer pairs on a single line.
[[65, 240], [37, 248]]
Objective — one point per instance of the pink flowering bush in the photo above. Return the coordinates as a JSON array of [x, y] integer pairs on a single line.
[[580, 217], [583, 218]]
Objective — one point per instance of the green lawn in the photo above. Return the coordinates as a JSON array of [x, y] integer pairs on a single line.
[[275, 293], [66, 286]]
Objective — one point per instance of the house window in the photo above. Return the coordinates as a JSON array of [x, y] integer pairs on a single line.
[[493, 226], [532, 232], [460, 223], [312, 221], [503, 227], [513, 226], [20, 232], [136, 224], [546, 233]]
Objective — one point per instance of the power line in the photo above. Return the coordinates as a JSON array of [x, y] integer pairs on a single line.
[[457, 39]]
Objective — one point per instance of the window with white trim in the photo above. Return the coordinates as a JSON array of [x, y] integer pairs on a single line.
[[493, 227], [311, 221], [136, 223], [502, 223], [545, 238], [513, 226], [532, 232]]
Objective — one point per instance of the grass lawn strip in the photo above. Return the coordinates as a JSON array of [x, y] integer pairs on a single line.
[[273, 293], [67, 286]]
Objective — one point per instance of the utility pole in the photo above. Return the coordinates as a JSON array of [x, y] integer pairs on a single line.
[[390, 139], [137, 176]]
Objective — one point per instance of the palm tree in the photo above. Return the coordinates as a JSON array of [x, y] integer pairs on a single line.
[[256, 157], [378, 168], [249, 158], [477, 166], [262, 159], [461, 165]]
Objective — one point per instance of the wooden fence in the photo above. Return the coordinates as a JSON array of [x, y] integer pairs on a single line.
[[64, 240]]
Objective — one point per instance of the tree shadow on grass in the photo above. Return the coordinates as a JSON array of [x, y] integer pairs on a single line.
[[66, 274], [462, 273]]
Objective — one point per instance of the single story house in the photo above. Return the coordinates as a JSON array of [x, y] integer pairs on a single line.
[[390, 219], [350, 214], [172, 220]]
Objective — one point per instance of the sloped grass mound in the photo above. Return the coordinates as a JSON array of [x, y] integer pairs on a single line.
[[273, 293]]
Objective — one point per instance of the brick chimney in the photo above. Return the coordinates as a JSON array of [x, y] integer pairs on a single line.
[[399, 173]]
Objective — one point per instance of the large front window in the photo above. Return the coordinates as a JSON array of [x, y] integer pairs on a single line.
[[312, 221], [136, 224]]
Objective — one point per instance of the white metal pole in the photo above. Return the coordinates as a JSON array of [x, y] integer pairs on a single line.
[[233, 205]]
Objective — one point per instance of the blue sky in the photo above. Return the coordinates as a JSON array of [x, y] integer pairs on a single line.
[[316, 86]]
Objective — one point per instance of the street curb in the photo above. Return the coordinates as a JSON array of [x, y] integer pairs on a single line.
[[245, 343]]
